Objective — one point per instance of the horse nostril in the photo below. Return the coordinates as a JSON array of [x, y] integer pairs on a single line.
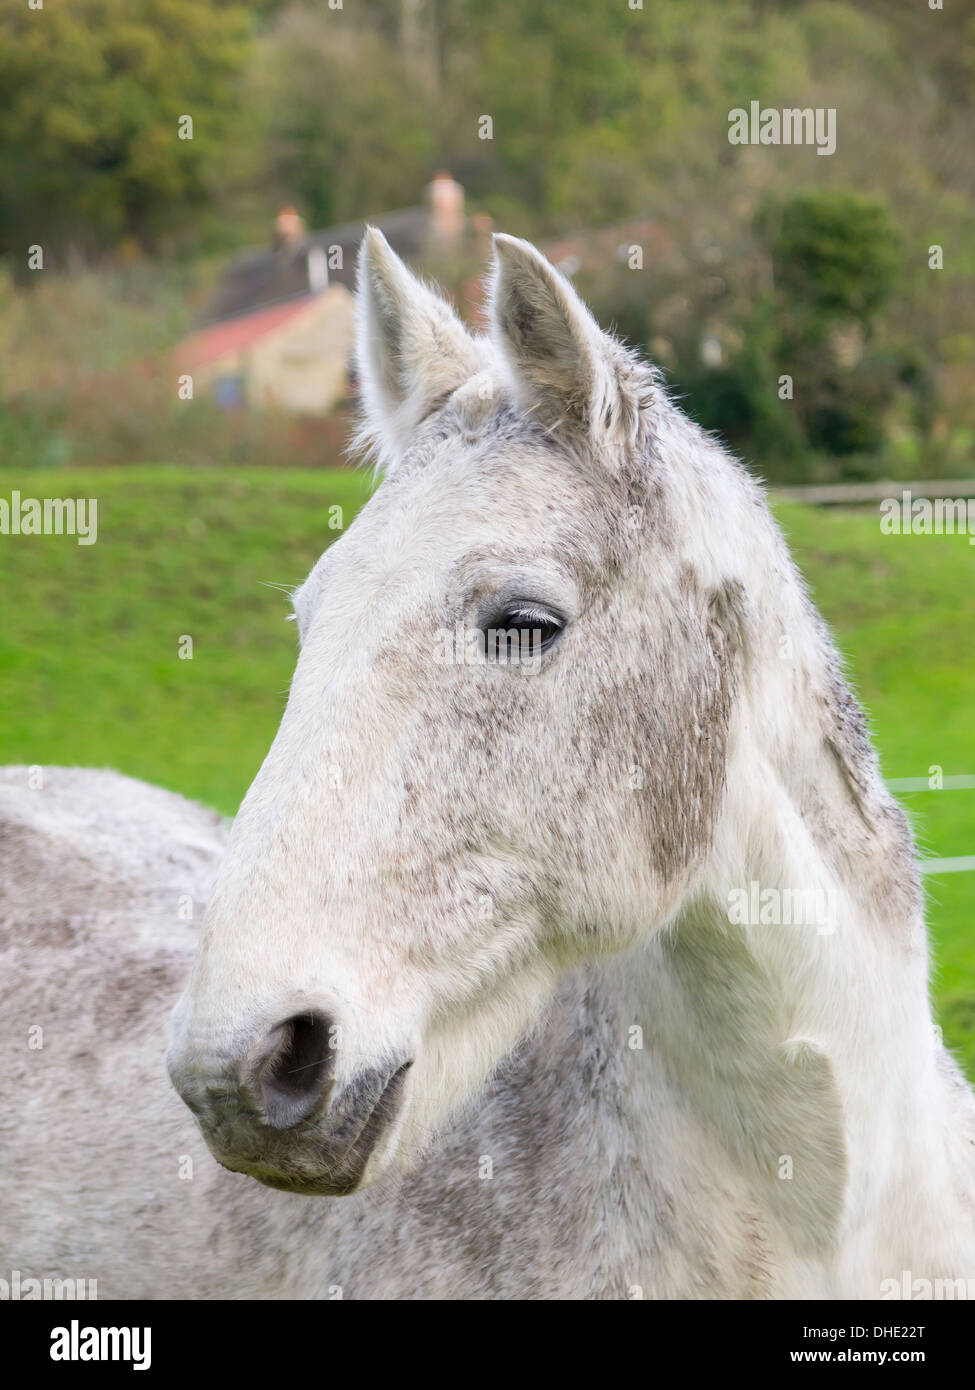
[[292, 1071]]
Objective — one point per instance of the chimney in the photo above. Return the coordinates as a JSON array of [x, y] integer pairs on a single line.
[[289, 228], [483, 225], [446, 200], [317, 269]]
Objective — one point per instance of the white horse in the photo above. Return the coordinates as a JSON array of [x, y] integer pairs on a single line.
[[591, 964]]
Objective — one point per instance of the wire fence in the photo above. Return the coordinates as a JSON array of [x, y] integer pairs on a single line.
[[959, 864]]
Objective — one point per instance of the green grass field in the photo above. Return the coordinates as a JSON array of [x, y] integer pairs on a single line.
[[903, 611], [90, 671]]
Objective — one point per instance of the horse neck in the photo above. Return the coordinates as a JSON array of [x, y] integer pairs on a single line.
[[805, 1053]]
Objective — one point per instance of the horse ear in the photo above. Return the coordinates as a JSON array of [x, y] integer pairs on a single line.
[[568, 371], [411, 348]]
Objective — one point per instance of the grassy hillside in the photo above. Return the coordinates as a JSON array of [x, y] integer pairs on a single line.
[[89, 643], [90, 670], [903, 610]]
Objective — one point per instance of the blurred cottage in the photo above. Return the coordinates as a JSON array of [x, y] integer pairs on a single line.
[[280, 329]]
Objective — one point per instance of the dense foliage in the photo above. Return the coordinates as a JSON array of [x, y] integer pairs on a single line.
[[557, 116]]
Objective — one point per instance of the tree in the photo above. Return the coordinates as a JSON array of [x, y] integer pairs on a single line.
[[95, 144], [345, 130], [836, 254], [836, 259]]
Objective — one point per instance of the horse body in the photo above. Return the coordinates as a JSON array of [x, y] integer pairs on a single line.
[[106, 1177], [603, 1180], [470, 960]]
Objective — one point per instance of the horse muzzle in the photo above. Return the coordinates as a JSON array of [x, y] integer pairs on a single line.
[[279, 1115]]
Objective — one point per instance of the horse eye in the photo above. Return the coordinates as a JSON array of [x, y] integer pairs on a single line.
[[522, 632]]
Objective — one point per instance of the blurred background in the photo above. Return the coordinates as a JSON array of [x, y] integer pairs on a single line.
[[183, 185], [583, 125]]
